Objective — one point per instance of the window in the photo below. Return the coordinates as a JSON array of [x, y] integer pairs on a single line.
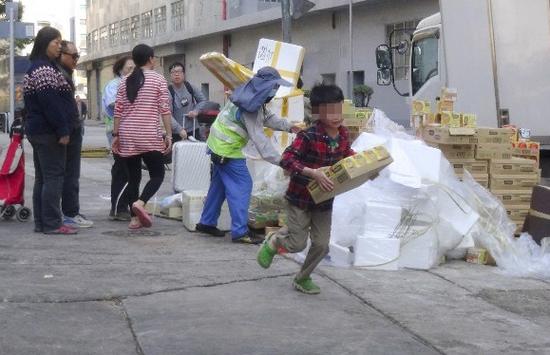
[[103, 37], [113, 34], [424, 60], [83, 21], [328, 79], [177, 15], [95, 41], [160, 20], [401, 32], [124, 31], [89, 42], [134, 28], [205, 88], [358, 77], [83, 42], [147, 24]]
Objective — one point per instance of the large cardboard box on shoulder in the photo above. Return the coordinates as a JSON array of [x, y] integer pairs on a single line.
[[352, 172]]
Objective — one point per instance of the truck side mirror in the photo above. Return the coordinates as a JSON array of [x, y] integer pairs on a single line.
[[383, 57], [383, 77]]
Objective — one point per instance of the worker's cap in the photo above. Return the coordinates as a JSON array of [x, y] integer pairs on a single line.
[[271, 74]]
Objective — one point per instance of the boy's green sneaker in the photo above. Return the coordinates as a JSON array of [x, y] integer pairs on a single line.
[[265, 254], [306, 285]]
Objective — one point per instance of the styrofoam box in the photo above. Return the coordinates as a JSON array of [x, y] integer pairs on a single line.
[[381, 219], [421, 252], [339, 255], [376, 253], [192, 205]]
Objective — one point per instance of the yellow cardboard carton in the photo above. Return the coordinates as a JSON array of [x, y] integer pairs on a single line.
[[514, 182], [472, 165], [513, 166], [351, 172], [513, 197], [493, 151], [482, 179], [450, 119], [445, 105], [448, 94], [421, 107], [457, 151], [468, 120], [448, 135], [495, 135]]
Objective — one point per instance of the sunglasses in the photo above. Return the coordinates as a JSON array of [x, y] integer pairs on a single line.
[[75, 56]]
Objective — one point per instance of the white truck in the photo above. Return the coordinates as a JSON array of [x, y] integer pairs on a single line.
[[495, 52]]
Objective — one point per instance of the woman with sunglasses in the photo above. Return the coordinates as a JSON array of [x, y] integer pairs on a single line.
[[142, 100]]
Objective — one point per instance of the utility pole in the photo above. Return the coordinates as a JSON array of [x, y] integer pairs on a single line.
[[287, 21], [10, 7], [350, 74]]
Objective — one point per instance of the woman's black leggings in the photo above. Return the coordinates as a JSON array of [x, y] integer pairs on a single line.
[[155, 164]]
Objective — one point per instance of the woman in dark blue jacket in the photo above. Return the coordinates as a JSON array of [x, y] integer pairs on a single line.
[[49, 103]]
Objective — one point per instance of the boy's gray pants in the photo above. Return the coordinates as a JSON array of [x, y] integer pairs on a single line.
[[301, 225]]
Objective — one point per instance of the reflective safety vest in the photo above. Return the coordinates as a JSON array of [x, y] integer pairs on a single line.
[[228, 135]]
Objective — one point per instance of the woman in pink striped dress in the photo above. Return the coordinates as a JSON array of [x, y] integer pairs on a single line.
[[142, 101]]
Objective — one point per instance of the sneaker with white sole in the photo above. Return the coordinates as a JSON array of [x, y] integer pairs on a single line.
[[78, 221]]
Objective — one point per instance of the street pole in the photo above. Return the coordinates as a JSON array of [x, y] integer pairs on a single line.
[[287, 21], [12, 63], [350, 74]]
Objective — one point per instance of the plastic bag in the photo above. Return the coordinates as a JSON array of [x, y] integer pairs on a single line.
[[171, 201]]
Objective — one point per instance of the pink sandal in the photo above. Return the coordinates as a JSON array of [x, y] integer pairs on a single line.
[[135, 225], [142, 214]]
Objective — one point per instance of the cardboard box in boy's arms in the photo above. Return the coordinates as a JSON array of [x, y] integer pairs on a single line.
[[352, 172]]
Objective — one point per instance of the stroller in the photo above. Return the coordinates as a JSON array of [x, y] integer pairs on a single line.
[[12, 177]]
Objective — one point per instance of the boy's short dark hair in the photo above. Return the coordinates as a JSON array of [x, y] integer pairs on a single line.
[[325, 94]]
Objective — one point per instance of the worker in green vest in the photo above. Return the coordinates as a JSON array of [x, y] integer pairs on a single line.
[[242, 119]]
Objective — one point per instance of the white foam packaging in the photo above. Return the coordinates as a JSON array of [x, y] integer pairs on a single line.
[[340, 256], [420, 252], [190, 166], [192, 205], [381, 219], [376, 253]]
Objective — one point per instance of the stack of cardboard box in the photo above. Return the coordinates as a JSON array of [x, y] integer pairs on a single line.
[[487, 154], [492, 155], [356, 119], [512, 181]]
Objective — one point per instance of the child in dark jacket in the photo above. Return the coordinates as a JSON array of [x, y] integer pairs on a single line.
[[320, 146]]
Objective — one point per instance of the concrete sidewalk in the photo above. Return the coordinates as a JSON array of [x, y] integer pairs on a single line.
[[167, 291]]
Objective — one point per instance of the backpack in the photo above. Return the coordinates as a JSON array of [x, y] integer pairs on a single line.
[[189, 88]]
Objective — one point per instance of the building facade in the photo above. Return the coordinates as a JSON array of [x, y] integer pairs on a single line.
[[183, 30]]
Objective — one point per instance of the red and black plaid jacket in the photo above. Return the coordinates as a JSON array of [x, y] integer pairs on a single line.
[[312, 149]]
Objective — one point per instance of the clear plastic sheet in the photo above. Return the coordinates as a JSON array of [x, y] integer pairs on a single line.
[[521, 256]]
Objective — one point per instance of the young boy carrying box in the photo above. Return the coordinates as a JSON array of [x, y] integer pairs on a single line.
[[318, 147]]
